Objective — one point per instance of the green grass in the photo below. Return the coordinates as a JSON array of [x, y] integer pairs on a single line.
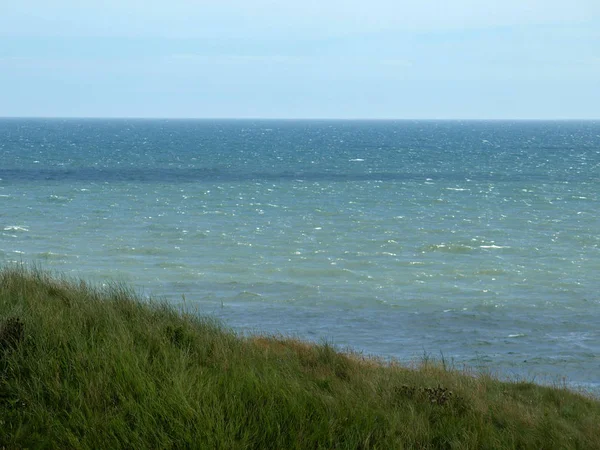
[[84, 367]]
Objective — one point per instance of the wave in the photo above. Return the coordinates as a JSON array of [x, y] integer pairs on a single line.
[[52, 256], [58, 199], [448, 248], [15, 228], [186, 175], [144, 251]]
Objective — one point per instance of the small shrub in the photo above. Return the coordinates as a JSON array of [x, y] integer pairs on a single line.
[[12, 332], [178, 336], [437, 396]]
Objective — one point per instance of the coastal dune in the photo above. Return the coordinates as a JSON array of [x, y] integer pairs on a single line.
[[82, 365]]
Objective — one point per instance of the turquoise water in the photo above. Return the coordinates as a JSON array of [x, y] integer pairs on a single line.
[[476, 240]]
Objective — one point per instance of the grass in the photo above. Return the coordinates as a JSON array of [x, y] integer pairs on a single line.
[[84, 367]]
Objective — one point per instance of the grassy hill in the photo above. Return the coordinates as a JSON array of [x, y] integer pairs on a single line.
[[84, 367]]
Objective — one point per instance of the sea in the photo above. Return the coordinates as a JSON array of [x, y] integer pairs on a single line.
[[472, 242]]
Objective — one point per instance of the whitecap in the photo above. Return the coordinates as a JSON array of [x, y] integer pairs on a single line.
[[15, 228], [494, 246], [451, 248], [356, 160]]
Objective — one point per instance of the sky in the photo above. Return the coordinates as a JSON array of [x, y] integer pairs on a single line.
[[347, 59]]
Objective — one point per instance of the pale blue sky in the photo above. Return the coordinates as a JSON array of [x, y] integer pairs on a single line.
[[519, 59]]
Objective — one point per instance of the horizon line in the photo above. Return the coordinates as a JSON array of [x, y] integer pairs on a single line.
[[289, 119]]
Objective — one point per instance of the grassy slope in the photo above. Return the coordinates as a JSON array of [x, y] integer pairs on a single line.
[[89, 368]]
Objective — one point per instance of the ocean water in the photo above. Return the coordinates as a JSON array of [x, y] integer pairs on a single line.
[[478, 241]]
